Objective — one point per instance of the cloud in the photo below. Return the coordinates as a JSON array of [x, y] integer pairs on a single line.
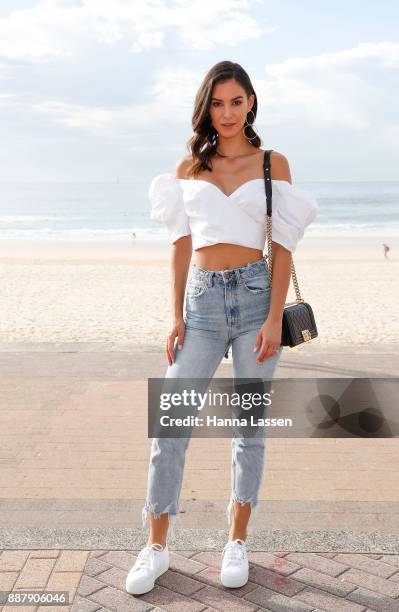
[[337, 88], [165, 102], [44, 32], [385, 53], [332, 89], [62, 28]]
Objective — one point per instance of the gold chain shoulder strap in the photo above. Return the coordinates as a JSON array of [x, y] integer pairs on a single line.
[[268, 187]]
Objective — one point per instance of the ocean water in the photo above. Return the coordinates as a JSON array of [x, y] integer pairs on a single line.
[[114, 211]]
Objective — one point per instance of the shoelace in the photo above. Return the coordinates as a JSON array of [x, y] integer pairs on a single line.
[[233, 551], [146, 556]]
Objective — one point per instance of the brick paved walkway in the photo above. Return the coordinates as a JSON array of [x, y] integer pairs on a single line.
[[279, 581]]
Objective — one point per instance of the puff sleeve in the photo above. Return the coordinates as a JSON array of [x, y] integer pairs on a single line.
[[293, 209], [167, 206]]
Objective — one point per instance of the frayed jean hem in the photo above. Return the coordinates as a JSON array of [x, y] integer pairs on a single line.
[[173, 517], [230, 508]]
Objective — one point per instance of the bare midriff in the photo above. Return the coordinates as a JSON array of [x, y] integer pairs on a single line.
[[225, 256]]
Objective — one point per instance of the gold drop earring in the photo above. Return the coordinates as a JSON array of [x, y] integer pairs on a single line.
[[246, 124]]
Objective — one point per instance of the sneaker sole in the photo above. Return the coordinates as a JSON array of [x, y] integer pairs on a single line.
[[146, 590], [230, 585]]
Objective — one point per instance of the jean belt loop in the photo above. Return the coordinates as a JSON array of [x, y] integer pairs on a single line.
[[209, 279], [238, 277]]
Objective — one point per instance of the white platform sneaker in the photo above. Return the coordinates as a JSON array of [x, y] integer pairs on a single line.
[[152, 561], [235, 566]]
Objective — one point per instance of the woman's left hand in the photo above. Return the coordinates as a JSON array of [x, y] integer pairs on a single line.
[[268, 339]]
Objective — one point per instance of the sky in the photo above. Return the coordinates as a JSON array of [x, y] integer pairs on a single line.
[[95, 90]]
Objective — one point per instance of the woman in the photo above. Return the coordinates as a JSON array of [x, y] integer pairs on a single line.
[[215, 204]]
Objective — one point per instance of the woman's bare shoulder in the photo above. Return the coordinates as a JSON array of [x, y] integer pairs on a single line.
[[183, 166], [280, 167]]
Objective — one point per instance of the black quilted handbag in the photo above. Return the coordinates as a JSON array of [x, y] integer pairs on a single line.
[[298, 323]]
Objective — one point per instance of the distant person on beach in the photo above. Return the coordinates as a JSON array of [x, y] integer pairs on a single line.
[[386, 249], [133, 234], [214, 204]]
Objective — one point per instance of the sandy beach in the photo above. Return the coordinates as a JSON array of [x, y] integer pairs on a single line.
[[120, 292]]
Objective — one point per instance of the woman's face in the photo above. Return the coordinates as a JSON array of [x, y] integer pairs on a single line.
[[229, 107]]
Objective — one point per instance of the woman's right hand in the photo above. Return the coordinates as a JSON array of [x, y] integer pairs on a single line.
[[177, 332]]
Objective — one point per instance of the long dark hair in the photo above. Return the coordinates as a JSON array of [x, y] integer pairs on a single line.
[[202, 145]]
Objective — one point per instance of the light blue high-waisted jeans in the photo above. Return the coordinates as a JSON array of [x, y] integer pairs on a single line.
[[223, 308]]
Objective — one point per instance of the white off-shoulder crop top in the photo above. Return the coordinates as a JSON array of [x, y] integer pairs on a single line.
[[200, 208]]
